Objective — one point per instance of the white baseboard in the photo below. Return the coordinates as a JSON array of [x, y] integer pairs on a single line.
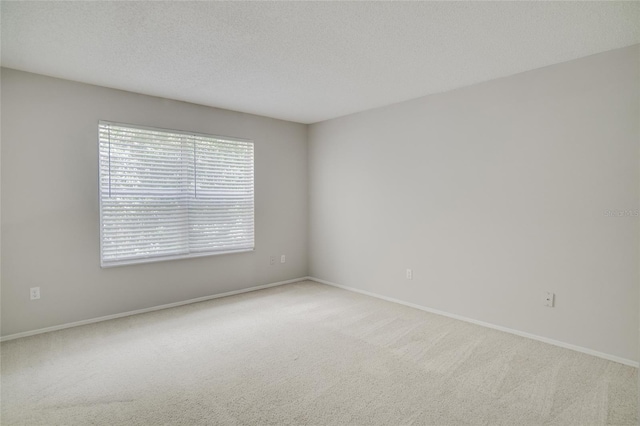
[[145, 310], [486, 324], [368, 293]]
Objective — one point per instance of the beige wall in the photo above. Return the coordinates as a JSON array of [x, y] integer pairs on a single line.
[[493, 194], [50, 233]]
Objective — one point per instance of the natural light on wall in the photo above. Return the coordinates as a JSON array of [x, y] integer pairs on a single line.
[[168, 194]]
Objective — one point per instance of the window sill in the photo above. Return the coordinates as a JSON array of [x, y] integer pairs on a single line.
[[165, 258]]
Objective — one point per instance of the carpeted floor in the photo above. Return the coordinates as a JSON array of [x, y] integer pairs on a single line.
[[299, 354]]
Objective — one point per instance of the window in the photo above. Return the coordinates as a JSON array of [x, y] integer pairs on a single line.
[[168, 194]]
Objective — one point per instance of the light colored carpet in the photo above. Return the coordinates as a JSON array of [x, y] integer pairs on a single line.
[[305, 353]]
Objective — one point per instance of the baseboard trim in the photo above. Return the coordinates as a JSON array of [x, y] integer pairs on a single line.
[[145, 310], [587, 351], [318, 280]]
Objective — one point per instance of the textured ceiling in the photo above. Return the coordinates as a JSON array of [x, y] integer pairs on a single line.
[[304, 61]]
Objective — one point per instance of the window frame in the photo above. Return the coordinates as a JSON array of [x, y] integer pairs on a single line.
[[154, 259]]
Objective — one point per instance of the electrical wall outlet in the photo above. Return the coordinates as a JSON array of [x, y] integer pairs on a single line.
[[549, 299], [34, 293], [283, 258], [409, 274], [272, 260]]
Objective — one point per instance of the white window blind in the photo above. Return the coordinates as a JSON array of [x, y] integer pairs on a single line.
[[168, 194]]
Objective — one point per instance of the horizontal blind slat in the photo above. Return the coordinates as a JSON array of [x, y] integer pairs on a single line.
[[166, 194]]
